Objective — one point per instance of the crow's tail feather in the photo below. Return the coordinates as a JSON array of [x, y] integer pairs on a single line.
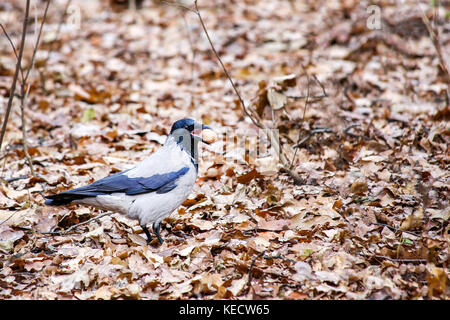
[[57, 202], [63, 198]]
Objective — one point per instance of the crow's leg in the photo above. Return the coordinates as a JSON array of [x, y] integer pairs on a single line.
[[156, 230], [147, 233]]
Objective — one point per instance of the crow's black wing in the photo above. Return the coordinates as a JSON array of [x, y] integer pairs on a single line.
[[118, 183]]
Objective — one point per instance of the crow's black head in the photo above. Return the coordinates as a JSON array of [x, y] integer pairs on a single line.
[[188, 124], [188, 133]]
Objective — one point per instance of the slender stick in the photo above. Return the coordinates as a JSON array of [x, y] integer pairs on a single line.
[[395, 229], [10, 41], [25, 136], [64, 232], [304, 112], [250, 269], [24, 92], [8, 217], [401, 260], [253, 117], [16, 73], [310, 134], [30, 67], [197, 11], [179, 5], [87, 221], [52, 43], [12, 45], [191, 45], [434, 36]]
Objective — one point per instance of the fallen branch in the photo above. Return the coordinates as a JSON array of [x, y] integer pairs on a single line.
[[87, 221]]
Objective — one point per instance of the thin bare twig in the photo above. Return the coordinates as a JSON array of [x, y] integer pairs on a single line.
[[191, 45], [12, 45], [271, 135], [16, 73], [401, 260], [78, 224], [30, 67], [324, 93], [25, 90], [12, 215], [52, 44], [179, 5], [349, 97], [252, 118], [25, 136], [87, 221], [307, 94], [9, 180], [304, 111], [250, 269], [434, 36], [398, 260], [310, 134], [395, 229], [310, 97], [10, 41], [347, 131]]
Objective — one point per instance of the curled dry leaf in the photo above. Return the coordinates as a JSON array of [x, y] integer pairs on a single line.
[[274, 225], [299, 222], [358, 187], [413, 221], [289, 80], [276, 100], [210, 282], [7, 238], [249, 176]]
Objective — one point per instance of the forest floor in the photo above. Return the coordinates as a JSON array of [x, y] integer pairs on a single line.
[[369, 218]]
